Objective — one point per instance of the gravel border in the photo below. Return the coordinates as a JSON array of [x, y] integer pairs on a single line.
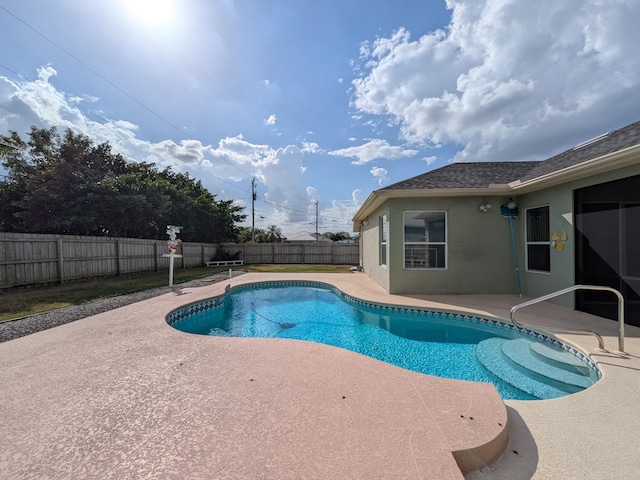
[[19, 327]]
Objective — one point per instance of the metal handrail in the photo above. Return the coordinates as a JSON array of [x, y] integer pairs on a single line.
[[572, 289]]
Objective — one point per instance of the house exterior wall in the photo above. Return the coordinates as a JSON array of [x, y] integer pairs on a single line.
[[479, 249], [560, 202], [369, 250], [561, 209], [480, 256]]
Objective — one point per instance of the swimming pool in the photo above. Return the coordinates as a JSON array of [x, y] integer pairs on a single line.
[[521, 363]]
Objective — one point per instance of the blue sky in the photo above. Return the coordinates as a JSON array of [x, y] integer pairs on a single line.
[[320, 101]]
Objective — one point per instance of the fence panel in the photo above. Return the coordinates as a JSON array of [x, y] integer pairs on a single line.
[[32, 259], [296, 252], [23, 262]]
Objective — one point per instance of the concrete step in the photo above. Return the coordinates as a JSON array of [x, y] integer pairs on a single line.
[[521, 353], [490, 354], [559, 358]]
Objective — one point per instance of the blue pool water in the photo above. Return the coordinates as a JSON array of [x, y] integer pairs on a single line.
[[433, 344]]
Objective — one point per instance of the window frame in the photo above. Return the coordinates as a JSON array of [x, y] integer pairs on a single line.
[[429, 245], [533, 243], [383, 253]]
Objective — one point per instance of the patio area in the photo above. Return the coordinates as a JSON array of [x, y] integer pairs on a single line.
[[124, 395]]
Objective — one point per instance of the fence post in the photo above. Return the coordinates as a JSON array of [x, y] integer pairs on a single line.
[[155, 256], [118, 268], [60, 261]]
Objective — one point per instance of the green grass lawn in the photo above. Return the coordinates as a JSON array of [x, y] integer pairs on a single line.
[[20, 302]]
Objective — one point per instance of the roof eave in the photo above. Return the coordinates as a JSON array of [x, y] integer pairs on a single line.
[[605, 163], [378, 197]]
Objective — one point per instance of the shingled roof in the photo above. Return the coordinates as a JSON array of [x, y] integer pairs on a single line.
[[484, 174], [467, 175], [610, 142]]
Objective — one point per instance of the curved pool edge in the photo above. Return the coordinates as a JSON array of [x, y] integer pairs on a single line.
[[193, 308], [604, 407]]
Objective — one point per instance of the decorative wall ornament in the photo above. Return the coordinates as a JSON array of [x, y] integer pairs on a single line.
[[559, 238]]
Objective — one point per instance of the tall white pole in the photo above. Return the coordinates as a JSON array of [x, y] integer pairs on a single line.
[[253, 210], [171, 257]]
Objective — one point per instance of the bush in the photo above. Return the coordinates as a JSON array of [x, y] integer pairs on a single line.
[[223, 255]]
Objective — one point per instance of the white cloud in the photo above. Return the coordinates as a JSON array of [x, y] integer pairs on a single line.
[[38, 103], [337, 217], [430, 160], [271, 120], [380, 174], [311, 147], [313, 194], [373, 150], [188, 151], [507, 79], [279, 170], [356, 197]]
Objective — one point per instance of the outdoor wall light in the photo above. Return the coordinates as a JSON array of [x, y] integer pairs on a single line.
[[485, 207]]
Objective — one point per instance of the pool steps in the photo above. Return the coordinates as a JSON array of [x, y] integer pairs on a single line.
[[523, 357], [534, 368], [559, 358]]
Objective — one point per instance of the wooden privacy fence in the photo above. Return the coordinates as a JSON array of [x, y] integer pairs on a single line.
[[33, 259], [296, 252]]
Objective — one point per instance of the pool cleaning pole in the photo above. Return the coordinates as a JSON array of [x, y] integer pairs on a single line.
[[515, 252]]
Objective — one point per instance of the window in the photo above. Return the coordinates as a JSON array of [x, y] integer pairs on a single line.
[[538, 240], [383, 240], [425, 236]]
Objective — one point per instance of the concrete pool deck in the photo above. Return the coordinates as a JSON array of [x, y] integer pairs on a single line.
[[123, 395]]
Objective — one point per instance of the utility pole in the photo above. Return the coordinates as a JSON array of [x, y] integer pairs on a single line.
[[253, 210], [316, 220]]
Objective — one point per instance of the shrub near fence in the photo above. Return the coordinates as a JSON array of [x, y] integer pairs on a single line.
[[32, 259]]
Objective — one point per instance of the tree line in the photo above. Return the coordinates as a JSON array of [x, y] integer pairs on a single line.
[[66, 184]]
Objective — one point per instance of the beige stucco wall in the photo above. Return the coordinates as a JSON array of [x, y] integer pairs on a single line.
[[369, 250], [480, 253]]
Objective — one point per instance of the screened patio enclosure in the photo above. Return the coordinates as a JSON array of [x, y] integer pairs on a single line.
[[607, 220]]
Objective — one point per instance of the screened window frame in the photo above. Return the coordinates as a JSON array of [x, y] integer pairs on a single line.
[[538, 241], [383, 254], [410, 264]]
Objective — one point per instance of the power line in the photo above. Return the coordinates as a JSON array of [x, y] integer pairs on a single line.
[[67, 52], [147, 108], [109, 82], [93, 113], [294, 210]]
